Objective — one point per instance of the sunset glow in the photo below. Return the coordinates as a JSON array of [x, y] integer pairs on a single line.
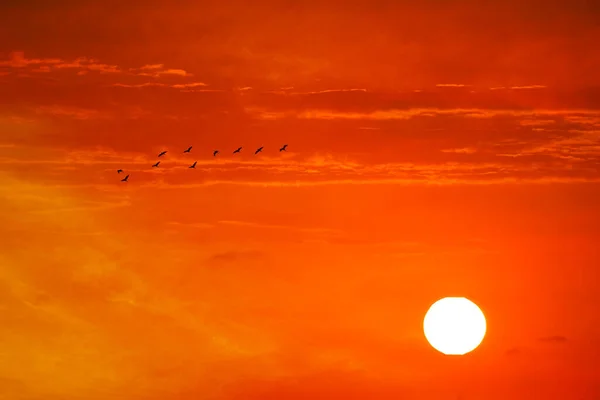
[[434, 149]]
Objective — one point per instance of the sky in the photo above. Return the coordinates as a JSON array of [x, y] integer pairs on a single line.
[[435, 148]]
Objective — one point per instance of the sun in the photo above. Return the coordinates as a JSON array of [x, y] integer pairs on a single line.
[[454, 326]]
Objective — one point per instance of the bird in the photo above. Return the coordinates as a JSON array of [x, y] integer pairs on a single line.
[[125, 179], [156, 165], [216, 152], [258, 151], [119, 171], [193, 165], [283, 148], [188, 149], [162, 153], [238, 150]]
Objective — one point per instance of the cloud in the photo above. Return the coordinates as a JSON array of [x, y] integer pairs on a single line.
[[574, 145], [409, 113], [73, 112], [519, 87], [451, 85], [553, 339], [17, 60], [235, 255], [307, 171], [464, 150], [513, 351], [528, 87], [330, 91], [536, 122], [583, 120], [184, 86], [162, 184], [259, 225], [88, 64], [84, 65], [158, 70], [197, 225]]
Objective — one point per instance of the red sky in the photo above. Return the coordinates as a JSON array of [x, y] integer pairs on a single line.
[[435, 149]]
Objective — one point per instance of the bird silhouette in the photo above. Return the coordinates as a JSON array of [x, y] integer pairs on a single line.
[[193, 165], [237, 150], [216, 152], [188, 149], [156, 165], [258, 150], [125, 179], [119, 171], [283, 148], [162, 153]]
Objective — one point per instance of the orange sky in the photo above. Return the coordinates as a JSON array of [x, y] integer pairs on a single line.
[[435, 149]]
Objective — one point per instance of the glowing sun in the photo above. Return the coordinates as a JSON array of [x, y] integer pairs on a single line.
[[454, 326]]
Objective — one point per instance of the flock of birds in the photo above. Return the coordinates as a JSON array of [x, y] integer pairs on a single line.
[[189, 150]]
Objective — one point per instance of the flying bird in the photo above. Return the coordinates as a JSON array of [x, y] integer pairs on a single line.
[[216, 152], [258, 151], [156, 165], [188, 149], [238, 150], [125, 179], [193, 165], [162, 153], [283, 148], [119, 171]]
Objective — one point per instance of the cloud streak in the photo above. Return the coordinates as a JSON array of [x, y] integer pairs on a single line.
[[84, 65], [409, 113], [158, 70]]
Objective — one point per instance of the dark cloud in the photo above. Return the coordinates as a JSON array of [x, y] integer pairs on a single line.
[[514, 351], [553, 339]]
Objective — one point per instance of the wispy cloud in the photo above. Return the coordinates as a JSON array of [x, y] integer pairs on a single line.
[[87, 64], [259, 225], [157, 70], [330, 91], [318, 170], [404, 114], [235, 255], [519, 87], [18, 60], [83, 65], [73, 112], [451, 85], [528, 87], [536, 122], [553, 339], [514, 351], [463, 150], [190, 85]]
